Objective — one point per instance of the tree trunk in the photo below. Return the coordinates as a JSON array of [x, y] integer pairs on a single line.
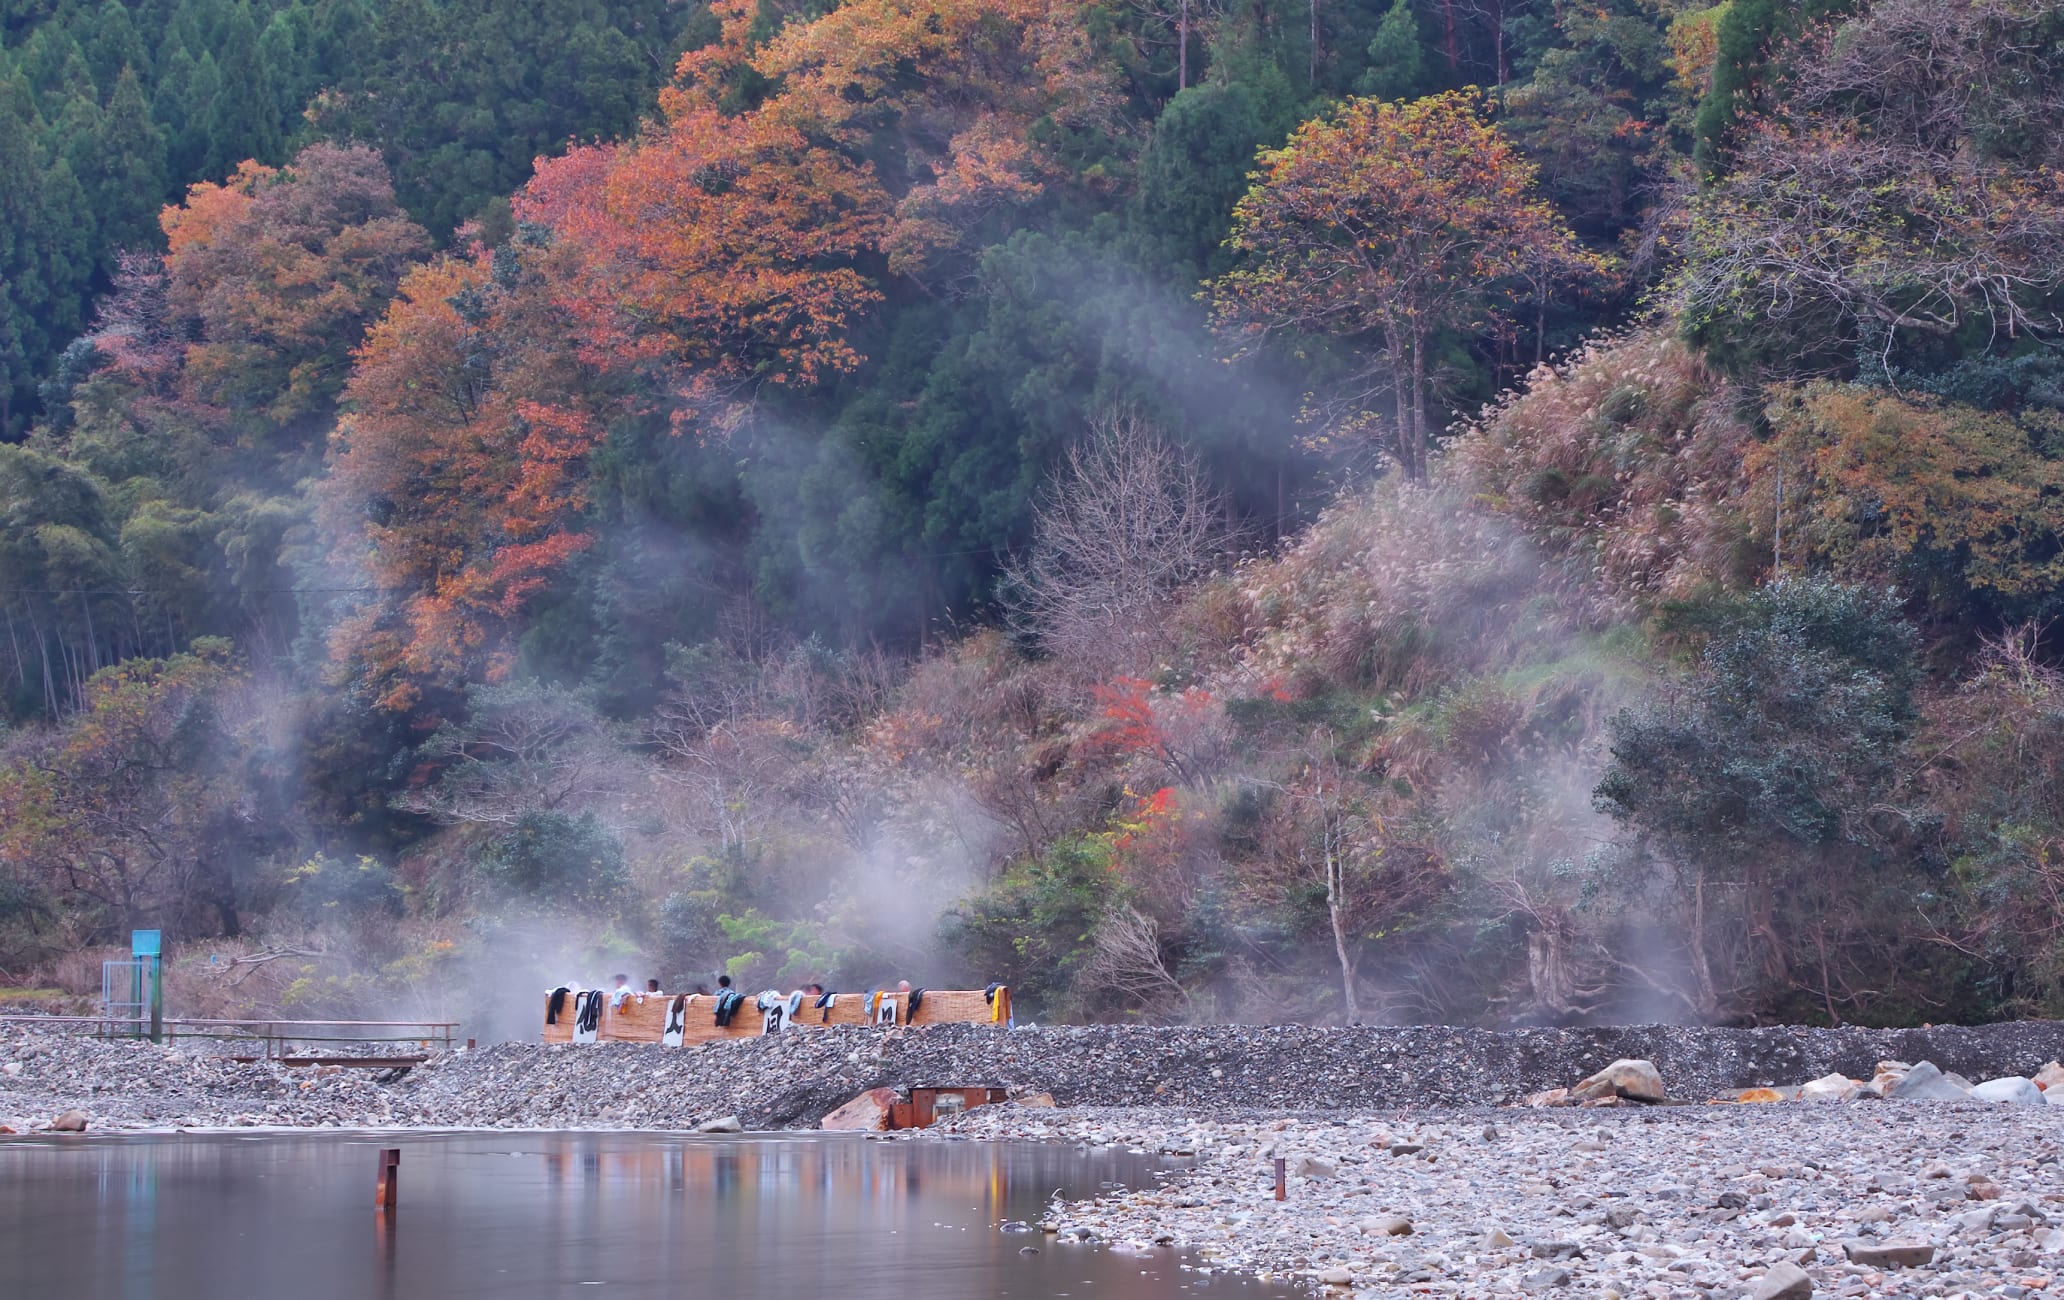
[[21, 665], [1332, 832], [1417, 468], [1182, 46], [1498, 42], [1330, 836], [1312, 69], [1708, 999], [1335, 904], [1541, 325]]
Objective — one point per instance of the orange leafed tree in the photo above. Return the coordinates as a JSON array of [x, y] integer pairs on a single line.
[[1390, 224], [461, 468], [737, 242], [730, 247], [714, 252], [980, 93], [275, 274]]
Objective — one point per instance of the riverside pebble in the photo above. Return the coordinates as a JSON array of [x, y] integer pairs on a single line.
[[1663, 1202]]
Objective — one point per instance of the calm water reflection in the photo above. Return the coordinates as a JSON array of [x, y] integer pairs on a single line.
[[578, 1215]]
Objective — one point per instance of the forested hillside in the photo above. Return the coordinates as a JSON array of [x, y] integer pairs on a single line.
[[1466, 510]]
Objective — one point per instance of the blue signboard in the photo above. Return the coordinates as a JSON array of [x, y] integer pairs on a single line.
[[144, 943]]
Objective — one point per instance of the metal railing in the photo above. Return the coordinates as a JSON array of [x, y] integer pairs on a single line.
[[272, 1040]]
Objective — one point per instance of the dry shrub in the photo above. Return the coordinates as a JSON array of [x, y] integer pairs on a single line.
[[76, 971], [1403, 590], [1628, 459]]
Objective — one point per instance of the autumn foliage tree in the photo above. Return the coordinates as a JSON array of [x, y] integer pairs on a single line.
[[458, 474], [268, 282], [129, 807], [728, 251], [1958, 506], [715, 255], [1388, 225], [737, 243]]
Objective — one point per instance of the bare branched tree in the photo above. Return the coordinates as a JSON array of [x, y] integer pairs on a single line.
[[524, 749], [1125, 959], [736, 779], [1329, 844], [1128, 523], [1907, 190]]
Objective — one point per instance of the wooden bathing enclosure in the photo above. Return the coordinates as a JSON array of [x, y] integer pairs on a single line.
[[645, 1021]]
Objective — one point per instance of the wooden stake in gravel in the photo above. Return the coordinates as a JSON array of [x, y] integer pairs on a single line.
[[1282, 1185]]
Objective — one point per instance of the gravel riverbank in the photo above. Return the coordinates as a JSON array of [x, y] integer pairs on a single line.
[[1662, 1202], [793, 1079]]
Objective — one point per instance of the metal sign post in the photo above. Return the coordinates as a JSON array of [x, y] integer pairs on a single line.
[[147, 946]]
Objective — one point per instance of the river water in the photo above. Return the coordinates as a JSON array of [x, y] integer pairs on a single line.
[[578, 1216]]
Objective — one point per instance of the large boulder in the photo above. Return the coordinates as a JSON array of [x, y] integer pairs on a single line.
[[2023, 1091], [1924, 1082], [1889, 1254], [1784, 1281], [1634, 1080], [868, 1112], [1831, 1087], [72, 1121], [2050, 1078]]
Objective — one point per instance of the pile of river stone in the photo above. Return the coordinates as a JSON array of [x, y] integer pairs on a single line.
[[793, 1079], [47, 1074], [1628, 1082], [1958, 1199]]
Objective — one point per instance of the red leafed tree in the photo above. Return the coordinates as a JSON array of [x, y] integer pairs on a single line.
[[460, 466], [1388, 224], [715, 251], [733, 246]]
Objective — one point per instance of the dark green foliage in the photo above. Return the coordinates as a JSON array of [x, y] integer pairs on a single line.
[[120, 107], [45, 243], [1033, 928], [574, 861], [1769, 788], [244, 114], [1398, 60], [323, 890], [1193, 170], [1789, 732], [461, 96], [1752, 36]]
